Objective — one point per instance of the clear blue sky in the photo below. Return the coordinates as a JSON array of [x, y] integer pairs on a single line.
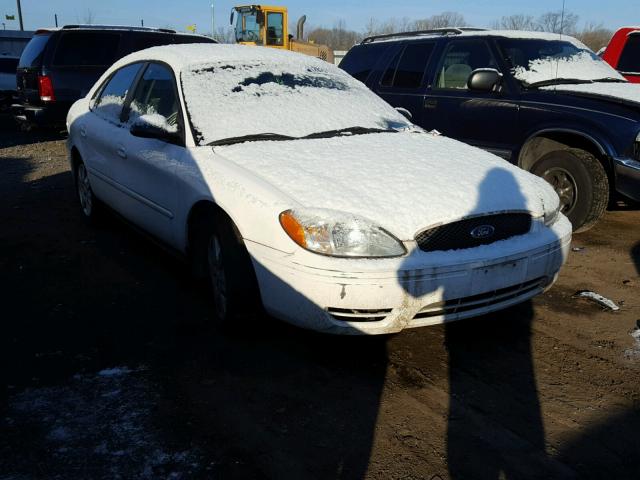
[[180, 13]]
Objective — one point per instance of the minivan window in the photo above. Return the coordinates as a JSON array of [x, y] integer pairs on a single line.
[[630, 57], [361, 60], [80, 49], [113, 95], [412, 66], [32, 54]]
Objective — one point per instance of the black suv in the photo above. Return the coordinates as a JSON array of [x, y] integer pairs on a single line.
[[545, 103], [60, 66]]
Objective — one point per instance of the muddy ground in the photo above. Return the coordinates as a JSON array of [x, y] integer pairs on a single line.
[[111, 367]]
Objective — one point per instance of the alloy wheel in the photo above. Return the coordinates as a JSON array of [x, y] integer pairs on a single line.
[[217, 276], [565, 186]]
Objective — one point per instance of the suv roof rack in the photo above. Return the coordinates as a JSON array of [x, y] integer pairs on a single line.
[[119, 27], [435, 31]]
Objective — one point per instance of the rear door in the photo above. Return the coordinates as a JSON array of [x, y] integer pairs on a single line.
[[79, 59], [485, 119], [404, 80], [30, 66], [100, 133]]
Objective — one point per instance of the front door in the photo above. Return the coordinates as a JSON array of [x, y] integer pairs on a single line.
[[486, 120]]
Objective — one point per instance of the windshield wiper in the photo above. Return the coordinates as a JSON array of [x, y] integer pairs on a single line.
[[558, 81], [610, 80], [349, 131], [255, 137]]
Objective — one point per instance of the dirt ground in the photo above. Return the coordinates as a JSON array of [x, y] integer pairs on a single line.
[[111, 368]]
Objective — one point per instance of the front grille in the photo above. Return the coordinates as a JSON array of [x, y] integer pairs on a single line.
[[358, 315], [473, 232], [483, 300]]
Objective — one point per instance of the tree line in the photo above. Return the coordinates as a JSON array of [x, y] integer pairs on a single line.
[[340, 37]]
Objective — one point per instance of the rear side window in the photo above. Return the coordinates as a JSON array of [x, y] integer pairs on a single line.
[[362, 59], [408, 71], [82, 49], [34, 51], [8, 65], [110, 100], [630, 57]]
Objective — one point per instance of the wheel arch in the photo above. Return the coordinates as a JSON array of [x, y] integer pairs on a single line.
[[75, 159], [205, 208], [545, 141]]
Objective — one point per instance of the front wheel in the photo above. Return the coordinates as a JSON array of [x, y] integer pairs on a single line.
[[580, 181], [220, 249]]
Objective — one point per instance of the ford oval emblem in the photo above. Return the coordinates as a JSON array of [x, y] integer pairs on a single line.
[[483, 231]]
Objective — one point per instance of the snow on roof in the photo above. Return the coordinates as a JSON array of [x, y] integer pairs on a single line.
[[235, 90]]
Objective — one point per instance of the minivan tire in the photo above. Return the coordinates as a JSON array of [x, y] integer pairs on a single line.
[[581, 182]]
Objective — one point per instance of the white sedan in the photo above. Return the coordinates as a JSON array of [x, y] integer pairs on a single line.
[[293, 187]]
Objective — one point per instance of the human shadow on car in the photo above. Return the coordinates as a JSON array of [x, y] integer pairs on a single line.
[[494, 428]]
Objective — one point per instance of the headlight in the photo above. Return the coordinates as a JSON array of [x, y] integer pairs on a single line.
[[551, 216], [338, 234]]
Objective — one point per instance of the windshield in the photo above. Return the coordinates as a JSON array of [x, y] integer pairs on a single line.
[[293, 98], [536, 62], [248, 26]]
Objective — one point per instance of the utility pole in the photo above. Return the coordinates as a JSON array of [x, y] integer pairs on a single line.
[[55, 16], [142, 22], [20, 15], [213, 21]]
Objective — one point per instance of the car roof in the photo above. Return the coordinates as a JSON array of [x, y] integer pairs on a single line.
[[464, 32], [184, 56]]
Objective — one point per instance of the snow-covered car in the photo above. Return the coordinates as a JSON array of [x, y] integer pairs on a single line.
[[291, 185]]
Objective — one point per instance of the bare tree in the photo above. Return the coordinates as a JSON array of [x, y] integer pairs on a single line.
[[595, 36], [442, 20], [516, 22], [338, 38], [225, 34], [558, 22]]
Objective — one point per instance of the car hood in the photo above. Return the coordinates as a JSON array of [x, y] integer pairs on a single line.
[[624, 93], [404, 182]]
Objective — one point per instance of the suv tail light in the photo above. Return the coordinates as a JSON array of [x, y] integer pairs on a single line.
[[45, 89]]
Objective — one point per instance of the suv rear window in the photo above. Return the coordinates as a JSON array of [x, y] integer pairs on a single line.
[[361, 60], [630, 57], [32, 54], [79, 49]]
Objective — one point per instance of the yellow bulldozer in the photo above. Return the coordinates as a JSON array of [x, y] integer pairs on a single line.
[[267, 26]]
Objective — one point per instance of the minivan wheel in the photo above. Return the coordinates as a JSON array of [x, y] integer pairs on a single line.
[[88, 201], [580, 181], [230, 274]]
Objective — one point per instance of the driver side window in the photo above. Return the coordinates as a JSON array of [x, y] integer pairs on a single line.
[[156, 100], [110, 99], [462, 58]]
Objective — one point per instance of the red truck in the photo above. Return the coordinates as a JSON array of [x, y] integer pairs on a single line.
[[623, 53]]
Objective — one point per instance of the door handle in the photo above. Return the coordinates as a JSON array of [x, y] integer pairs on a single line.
[[430, 103], [83, 131], [122, 153]]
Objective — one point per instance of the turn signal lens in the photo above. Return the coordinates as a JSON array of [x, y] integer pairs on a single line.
[[293, 228]]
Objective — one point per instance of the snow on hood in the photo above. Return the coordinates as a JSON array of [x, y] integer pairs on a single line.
[[404, 182], [628, 92]]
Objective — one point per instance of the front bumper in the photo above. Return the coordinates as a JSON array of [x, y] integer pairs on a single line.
[[386, 296], [628, 177]]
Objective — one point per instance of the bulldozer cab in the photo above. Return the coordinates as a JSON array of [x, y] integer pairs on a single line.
[[261, 25]]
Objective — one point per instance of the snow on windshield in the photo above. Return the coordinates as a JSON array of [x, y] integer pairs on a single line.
[[537, 61], [228, 99]]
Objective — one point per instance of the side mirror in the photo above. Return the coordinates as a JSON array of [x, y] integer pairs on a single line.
[[406, 113], [144, 129], [484, 80]]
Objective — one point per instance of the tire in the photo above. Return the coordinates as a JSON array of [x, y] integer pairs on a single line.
[[89, 204], [580, 181], [229, 272]]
